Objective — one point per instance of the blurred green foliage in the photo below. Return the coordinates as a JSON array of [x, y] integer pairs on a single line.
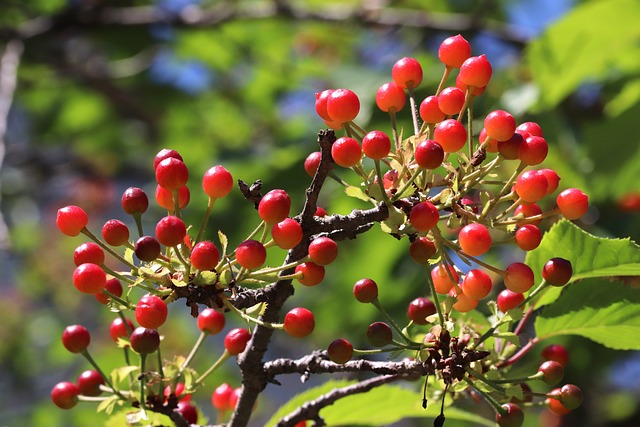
[[96, 101]]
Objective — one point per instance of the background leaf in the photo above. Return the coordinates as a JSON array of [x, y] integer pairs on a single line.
[[605, 312]]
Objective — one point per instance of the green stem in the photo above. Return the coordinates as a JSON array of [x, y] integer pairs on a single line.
[[107, 248], [443, 80], [407, 184], [394, 325], [212, 368], [381, 182], [143, 359], [251, 319], [116, 298], [498, 408], [414, 110], [434, 295], [195, 348], [137, 217], [205, 218], [106, 379], [505, 189]]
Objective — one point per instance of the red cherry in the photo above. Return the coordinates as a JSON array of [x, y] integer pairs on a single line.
[[346, 152], [419, 309], [533, 150], [451, 135], [508, 300], [166, 153], [528, 237], [510, 149], [555, 406], [120, 329], [171, 173], [527, 211], [251, 254], [532, 128], [217, 182], [424, 216], [556, 352], [321, 104], [134, 200], [88, 252], [236, 340], [323, 250], [115, 232], [205, 256], [476, 91], [430, 111], [500, 125], [365, 290], [151, 312], [514, 417], [65, 395], [299, 322], [170, 231], [147, 248], [379, 334], [557, 271], [71, 220], [188, 412], [572, 203], [429, 154], [220, 397], [476, 71], [89, 383], [164, 198], [407, 72], [343, 105], [451, 100], [287, 233], [454, 51], [444, 281], [552, 372], [476, 284], [340, 351], [211, 321], [552, 179], [76, 338], [312, 273], [274, 206], [474, 239], [114, 286], [421, 250], [531, 186], [629, 202], [390, 97], [463, 302], [376, 145], [518, 277], [89, 278], [312, 162], [145, 341]]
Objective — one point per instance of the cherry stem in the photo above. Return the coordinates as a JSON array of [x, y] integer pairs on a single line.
[[106, 247], [511, 208], [517, 356], [482, 263], [160, 367], [268, 271], [498, 408], [507, 187], [187, 266], [116, 298], [381, 182], [205, 218], [414, 110], [195, 348], [530, 219], [251, 319], [143, 359], [525, 318], [106, 379], [434, 295], [394, 128], [443, 80], [212, 368], [137, 217], [407, 184], [388, 318], [361, 132], [542, 286]]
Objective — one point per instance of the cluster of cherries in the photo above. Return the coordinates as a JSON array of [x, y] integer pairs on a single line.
[[439, 205]]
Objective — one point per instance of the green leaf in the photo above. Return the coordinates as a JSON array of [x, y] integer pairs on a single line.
[[224, 242], [605, 312], [570, 52], [590, 256], [120, 374], [108, 405], [356, 192]]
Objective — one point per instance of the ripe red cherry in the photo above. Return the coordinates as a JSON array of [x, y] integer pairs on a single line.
[[71, 220], [166, 153], [572, 203], [451, 100], [500, 125], [287, 233], [164, 198], [115, 232], [552, 179], [390, 97], [112, 285], [343, 105], [629, 202], [552, 372], [451, 135], [312, 273], [236, 340], [376, 145], [76, 338], [65, 395], [476, 284], [251, 254], [475, 91], [321, 104], [571, 396], [346, 152], [379, 334], [422, 249], [151, 312], [532, 128], [557, 271], [528, 210], [312, 162], [453, 51], [528, 237], [407, 73], [463, 303], [274, 206], [145, 341], [533, 150], [233, 399], [476, 71], [518, 277], [531, 186], [340, 351], [147, 248], [474, 239], [89, 383], [510, 149], [205, 256], [508, 300], [88, 252], [211, 321], [217, 182], [120, 329], [430, 111], [188, 412], [556, 352], [220, 397], [555, 406], [419, 309], [365, 290], [172, 173], [323, 250], [429, 154], [170, 231], [299, 322], [514, 417], [134, 200], [89, 278], [424, 216], [444, 281]]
